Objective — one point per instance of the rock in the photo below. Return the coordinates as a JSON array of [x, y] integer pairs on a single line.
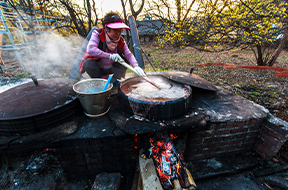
[[272, 86], [107, 181], [277, 181]]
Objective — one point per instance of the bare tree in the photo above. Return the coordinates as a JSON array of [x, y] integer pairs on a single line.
[[132, 8], [134, 12], [27, 7], [178, 6], [77, 17], [72, 17]]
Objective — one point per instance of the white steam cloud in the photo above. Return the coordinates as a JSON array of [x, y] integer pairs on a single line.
[[53, 57]]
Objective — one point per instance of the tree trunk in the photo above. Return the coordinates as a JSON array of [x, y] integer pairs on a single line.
[[259, 56], [277, 52], [136, 13], [178, 5], [189, 9], [89, 14], [79, 26], [126, 21]]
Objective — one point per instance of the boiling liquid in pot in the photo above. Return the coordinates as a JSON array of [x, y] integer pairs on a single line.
[[142, 90]]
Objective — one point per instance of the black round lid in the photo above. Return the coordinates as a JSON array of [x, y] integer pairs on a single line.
[[190, 79], [27, 99]]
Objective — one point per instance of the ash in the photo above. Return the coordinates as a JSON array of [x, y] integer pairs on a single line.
[[34, 171], [7, 83]]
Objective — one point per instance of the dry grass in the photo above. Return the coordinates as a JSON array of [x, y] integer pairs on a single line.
[[183, 59]]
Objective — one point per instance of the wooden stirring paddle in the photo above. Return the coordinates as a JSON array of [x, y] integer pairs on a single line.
[[145, 78]]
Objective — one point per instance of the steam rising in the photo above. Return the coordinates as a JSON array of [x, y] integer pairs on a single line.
[[53, 56]]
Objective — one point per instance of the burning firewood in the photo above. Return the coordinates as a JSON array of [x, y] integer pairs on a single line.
[[169, 164], [150, 180]]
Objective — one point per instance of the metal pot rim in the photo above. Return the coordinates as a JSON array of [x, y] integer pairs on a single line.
[[87, 80]]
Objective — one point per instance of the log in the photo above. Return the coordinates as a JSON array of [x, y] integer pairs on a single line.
[[38, 140], [190, 179], [140, 184], [135, 183], [176, 184], [150, 179]]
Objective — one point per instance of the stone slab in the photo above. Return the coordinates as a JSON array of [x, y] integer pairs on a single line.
[[94, 128], [107, 181], [223, 106], [207, 168]]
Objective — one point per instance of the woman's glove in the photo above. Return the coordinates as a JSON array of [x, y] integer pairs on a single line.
[[140, 71], [116, 57]]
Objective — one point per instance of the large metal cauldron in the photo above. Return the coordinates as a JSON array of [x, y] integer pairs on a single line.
[[138, 97], [29, 108]]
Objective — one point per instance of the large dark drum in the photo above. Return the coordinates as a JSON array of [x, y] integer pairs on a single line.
[[138, 97], [28, 109]]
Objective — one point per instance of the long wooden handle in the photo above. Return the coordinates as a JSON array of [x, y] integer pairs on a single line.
[[132, 69], [128, 67], [151, 82]]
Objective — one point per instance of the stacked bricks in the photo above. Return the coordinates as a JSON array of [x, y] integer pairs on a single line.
[[222, 139], [83, 158], [272, 135]]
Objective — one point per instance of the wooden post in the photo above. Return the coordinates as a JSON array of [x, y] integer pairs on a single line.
[[1, 38]]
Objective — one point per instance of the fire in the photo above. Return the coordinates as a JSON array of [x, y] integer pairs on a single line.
[[168, 162], [172, 136], [136, 144], [50, 149]]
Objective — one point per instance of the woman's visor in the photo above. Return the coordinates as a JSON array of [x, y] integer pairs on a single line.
[[117, 25]]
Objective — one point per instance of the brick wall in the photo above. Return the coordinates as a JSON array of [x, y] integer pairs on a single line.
[[83, 158], [272, 135], [222, 139]]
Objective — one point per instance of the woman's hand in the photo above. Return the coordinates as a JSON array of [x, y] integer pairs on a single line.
[[116, 57], [140, 71]]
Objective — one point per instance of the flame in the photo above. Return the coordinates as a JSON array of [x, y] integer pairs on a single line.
[[50, 149], [167, 159], [136, 144], [172, 136]]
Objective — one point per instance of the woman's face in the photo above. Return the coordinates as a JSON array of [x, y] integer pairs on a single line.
[[114, 34]]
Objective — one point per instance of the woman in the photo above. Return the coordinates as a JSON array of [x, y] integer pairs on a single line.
[[105, 48]]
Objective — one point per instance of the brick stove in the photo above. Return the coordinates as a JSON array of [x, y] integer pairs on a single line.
[[219, 124]]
